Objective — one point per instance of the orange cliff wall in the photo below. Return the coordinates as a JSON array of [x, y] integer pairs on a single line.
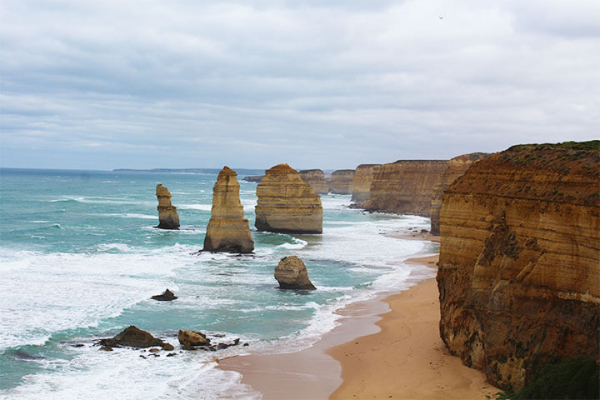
[[405, 187], [456, 167], [361, 184], [341, 181], [519, 269], [316, 179]]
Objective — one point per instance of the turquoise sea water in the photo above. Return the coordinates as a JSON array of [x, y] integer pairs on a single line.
[[80, 259]]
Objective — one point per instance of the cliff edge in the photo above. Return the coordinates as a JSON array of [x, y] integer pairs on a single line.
[[519, 269], [404, 187], [456, 167]]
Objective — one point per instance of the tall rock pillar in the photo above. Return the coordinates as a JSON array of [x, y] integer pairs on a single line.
[[167, 213], [228, 230]]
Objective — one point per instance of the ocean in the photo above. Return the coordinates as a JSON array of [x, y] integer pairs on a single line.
[[80, 259]]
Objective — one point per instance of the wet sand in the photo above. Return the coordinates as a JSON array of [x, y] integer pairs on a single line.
[[388, 349]]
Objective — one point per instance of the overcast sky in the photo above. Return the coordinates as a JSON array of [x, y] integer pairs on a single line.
[[318, 84]]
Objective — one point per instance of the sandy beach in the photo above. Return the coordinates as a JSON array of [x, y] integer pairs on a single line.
[[388, 349], [407, 359]]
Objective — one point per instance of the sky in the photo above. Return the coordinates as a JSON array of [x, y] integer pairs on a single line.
[[317, 84]]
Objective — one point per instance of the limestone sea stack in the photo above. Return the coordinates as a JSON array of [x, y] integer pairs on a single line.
[[456, 167], [167, 213], [519, 267], [342, 181], [291, 273], [316, 179], [287, 204], [405, 186], [228, 230], [361, 184]]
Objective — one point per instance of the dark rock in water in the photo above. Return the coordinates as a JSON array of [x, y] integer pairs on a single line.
[[24, 356], [166, 296], [171, 354], [78, 345], [168, 347], [189, 339], [291, 273], [133, 337], [106, 348]]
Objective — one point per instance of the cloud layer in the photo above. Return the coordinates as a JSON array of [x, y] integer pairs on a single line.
[[142, 84]]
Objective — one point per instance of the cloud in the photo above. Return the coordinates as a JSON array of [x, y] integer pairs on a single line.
[[184, 83]]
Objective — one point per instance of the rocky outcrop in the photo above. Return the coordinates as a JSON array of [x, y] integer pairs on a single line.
[[291, 273], [189, 339], [316, 179], [342, 181], [287, 204], [167, 213], [255, 179], [361, 184], [167, 295], [404, 187], [228, 230], [519, 264], [456, 167], [134, 337]]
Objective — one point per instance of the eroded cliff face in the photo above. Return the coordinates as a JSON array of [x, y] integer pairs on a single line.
[[287, 204], [341, 181], [228, 230], [404, 187], [361, 185], [167, 213], [316, 179], [456, 167], [519, 271]]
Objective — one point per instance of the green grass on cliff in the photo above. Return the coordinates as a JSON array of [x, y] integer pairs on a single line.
[[577, 378], [589, 145]]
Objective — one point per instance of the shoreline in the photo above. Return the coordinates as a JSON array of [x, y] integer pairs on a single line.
[[407, 359], [375, 333]]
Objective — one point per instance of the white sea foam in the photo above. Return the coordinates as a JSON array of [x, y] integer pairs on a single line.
[[94, 374], [201, 207], [82, 289], [297, 245]]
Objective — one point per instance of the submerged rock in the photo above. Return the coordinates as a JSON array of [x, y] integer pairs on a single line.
[[228, 230], [166, 296], [291, 273], [287, 204], [167, 213]]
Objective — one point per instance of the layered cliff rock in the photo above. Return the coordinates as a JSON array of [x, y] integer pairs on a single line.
[[361, 184], [456, 167], [404, 187], [342, 181], [287, 204], [228, 230], [316, 179], [519, 270], [167, 213]]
